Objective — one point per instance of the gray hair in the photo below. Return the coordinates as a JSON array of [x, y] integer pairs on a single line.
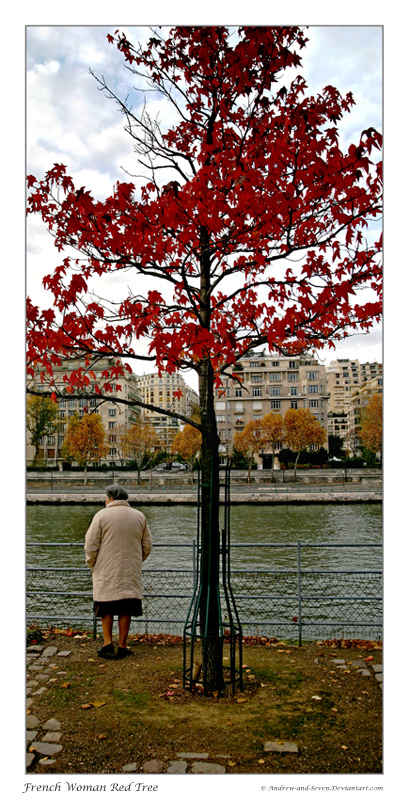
[[116, 491]]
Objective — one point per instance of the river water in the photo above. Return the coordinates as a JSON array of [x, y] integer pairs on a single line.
[[253, 530], [345, 603]]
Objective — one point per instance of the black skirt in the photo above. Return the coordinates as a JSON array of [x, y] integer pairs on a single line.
[[131, 607]]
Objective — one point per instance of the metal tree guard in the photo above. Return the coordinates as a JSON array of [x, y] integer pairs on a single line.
[[230, 631]]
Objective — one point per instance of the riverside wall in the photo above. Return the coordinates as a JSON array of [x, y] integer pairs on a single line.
[[312, 486]]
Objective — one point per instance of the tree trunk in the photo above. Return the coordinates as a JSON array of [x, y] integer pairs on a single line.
[[295, 467], [85, 474], [212, 638]]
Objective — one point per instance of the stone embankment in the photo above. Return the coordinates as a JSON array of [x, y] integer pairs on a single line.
[[180, 497]]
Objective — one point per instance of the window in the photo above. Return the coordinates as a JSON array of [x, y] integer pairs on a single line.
[[293, 390], [62, 403], [294, 404], [62, 414], [112, 438], [313, 403], [238, 392], [220, 418], [257, 392], [312, 376], [257, 416], [72, 403], [112, 412], [239, 407], [275, 364], [292, 376], [275, 376], [275, 391], [93, 401], [275, 404], [112, 451], [256, 378], [292, 364], [71, 413], [254, 363], [111, 425], [313, 388]]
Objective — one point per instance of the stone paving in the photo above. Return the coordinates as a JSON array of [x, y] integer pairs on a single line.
[[364, 667], [43, 738]]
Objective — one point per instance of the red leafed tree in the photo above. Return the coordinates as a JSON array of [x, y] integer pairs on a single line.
[[254, 228]]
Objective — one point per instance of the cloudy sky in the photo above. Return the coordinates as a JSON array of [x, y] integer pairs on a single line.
[[69, 120]]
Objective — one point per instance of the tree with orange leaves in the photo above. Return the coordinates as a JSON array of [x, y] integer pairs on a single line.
[[187, 443], [302, 431], [250, 440], [371, 428], [85, 440], [137, 441], [273, 433]]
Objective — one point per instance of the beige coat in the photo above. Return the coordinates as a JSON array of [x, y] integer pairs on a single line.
[[116, 543]]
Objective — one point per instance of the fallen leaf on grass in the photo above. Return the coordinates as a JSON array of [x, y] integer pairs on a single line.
[[316, 697], [229, 724], [91, 659], [102, 736], [174, 685], [232, 763], [334, 709], [65, 685], [369, 658], [94, 704], [242, 699], [261, 761], [344, 747]]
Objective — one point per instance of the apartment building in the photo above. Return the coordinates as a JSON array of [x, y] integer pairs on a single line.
[[269, 383], [345, 378], [359, 401], [159, 391], [115, 416]]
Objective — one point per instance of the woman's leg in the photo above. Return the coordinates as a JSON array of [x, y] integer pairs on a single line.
[[124, 623], [107, 623]]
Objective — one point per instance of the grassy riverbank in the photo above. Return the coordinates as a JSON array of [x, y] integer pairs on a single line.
[[114, 713]]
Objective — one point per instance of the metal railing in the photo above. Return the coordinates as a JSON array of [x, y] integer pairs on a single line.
[[296, 604]]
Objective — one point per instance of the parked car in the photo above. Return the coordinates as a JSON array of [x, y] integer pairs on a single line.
[[177, 465]]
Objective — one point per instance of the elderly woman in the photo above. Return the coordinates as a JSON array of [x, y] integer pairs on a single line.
[[116, 543]]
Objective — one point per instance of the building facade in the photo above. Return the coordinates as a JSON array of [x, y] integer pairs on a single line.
[[345, 380], [359, 401], [269, 383], [160, 392], [115, 416]]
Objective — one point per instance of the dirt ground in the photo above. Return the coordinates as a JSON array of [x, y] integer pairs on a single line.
[[113, 713]]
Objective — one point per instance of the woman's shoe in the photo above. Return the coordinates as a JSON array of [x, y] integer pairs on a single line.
[[122, 652], [108, 651]]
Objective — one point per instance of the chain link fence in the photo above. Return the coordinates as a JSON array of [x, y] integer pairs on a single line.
[[294, 604]]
